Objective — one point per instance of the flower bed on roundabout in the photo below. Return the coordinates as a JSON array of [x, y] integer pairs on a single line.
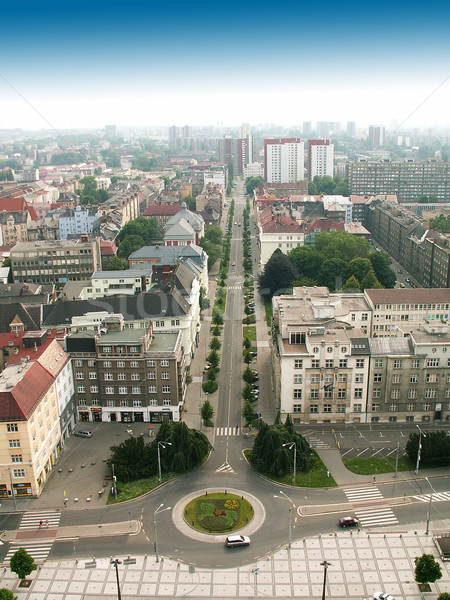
[[218, 512]]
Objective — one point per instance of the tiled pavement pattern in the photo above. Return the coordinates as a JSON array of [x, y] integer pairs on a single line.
[[360, 565]]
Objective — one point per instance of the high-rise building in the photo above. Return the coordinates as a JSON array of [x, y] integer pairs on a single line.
[[320, 158], [351, 129], [307, 128], [284, 160], [174, 134], [236, 150], [377, 135]]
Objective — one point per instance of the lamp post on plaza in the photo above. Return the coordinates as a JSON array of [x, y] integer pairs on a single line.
[[163, 445], [325, 564], [290, 514], [157, 511], [429, 506], [291, 445]]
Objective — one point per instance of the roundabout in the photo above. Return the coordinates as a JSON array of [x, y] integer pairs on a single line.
[[178, 515]]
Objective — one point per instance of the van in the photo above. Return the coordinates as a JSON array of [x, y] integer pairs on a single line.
[[83, 433]]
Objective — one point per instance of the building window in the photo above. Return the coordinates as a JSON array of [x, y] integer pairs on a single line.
[[79, 375], [315, 378], [91, 363], [164, 362], [134, 349], [430, 393], [413, 378], [341, 408], [106, 349], [107, 364], [432, 362], [152, 389], [12, 427], [431, 378], [16, 458], [314, 393], [342, 394], [329, 363], [415, 363], [297, 338], [298, 379], [378, 377], [135, 376], [153, 402], [358, 393], [395, 393], [396, 378], [357, 408], [137, 403], [314, 408], [150, 362], [122, 376], [426, 406], [110, 402], [398, 364], [447, 393], [392, 419], [166, 389], [330, 349], [94, 389], [359, 378], [92, 375], [166, 401], [165, 375], [81, 402], [378, 363], [151, 375], [410, 418], [365, 317], [360, 363], [108, 376], [134, 364], [393, 407], [14, 443], [121, 364], [315, 349], [123, 389], [375, 407], [376, 393], [124, 402], [175, 322], [315, 364], [343, 363], [328, 394], [297, 408], [327, 408], [109, 389], [18, 473], [342, 378], [298, 364], [136, 389], [81, 389], [410, 406]]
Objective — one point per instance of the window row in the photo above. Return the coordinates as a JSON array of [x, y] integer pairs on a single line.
[[123, 389], [124, 402], [121, 364]]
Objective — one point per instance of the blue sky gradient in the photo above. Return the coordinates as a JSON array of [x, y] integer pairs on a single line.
[[143, 63]]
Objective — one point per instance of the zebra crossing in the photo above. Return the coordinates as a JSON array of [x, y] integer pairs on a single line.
[[33, 519], [234, 287], [376, 517], [317, 442], [39, 551], [362, 494], [437, 497], [227, 431]]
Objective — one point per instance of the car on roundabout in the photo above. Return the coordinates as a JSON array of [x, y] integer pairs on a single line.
[[233, 541], [348, 522]]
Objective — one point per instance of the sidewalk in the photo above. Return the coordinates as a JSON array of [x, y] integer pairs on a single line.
[[361, 564]]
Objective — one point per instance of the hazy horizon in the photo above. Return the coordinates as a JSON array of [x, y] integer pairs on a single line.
[[142, 64]]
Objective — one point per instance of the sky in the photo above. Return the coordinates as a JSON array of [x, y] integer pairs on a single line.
[[89, 63]]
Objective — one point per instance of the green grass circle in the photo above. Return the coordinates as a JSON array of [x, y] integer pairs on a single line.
[[218, 512]]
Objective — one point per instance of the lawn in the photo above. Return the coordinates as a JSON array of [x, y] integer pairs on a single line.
[[316, 478], [372, 466], [134, 489], [219, 307], [218, 512], [249, 331]]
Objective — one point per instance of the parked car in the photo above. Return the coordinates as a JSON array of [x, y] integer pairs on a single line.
[[382, 596], [233, 263], [83, 433], [348, 522], [237, 540]]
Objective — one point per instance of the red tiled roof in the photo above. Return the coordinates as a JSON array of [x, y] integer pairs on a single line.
[[19, 403], [161, 210], [281, 224], [16, 338], [12, 204], [34, 352], [107, 248], [32, 212], [325, 225]]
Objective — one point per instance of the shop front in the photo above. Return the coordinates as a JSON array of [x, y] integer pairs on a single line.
[[96, 414]]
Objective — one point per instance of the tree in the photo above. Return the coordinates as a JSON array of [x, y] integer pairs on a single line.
[[248, 412], [247, 343], [215, 344], [6, 594], [145, 227], [251, 183], [370, 282], [442, 596], [247, 357], [143, 162], [307, 261], [207, 412], [213, 358], [248, 375], [277, 276], [435, 450], [333, 273], [191, 203], [115, 264], [342, 244], [381, 266], [359, 267], [427, 569], [351, 285], [130, 245], [247, 392], [22, 563], [214, 234]]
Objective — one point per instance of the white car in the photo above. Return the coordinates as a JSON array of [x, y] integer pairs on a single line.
[[382, 596]]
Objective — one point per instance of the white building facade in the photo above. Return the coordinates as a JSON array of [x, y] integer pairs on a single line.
[[320, 158], [284, 160]]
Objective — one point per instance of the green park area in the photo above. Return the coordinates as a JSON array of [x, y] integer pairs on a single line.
[[218, 512]]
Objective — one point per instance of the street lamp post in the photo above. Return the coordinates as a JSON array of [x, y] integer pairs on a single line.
[[291, 445], [429, 507], [325, 564], [157, 511], [114, 482], [163, 445], [117, 562], [421, 433], [290, 515]]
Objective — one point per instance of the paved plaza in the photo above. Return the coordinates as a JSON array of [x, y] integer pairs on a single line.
[[361, 563]]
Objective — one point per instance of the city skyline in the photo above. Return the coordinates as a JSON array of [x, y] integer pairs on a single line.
[[149, 65]]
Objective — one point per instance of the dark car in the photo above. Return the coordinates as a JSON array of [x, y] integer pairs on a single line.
[[348, 522]]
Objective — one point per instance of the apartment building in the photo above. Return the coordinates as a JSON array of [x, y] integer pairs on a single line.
[[407, 179], [76, 222], [284, 160], [320, 158], [238, 151], [55, 261], [127, 375]]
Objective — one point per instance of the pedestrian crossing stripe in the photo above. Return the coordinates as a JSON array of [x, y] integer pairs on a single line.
[[235, 287], [376, 517], [32, 520], [437, 497], [225, 468], [224, 431], [317, 443], [358, 494], [38, 551]]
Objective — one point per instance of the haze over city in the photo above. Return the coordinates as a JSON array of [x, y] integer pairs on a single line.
[[157, 64]]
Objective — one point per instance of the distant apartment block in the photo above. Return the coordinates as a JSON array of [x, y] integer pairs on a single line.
[[284, 160], [377, 136], [320, 158], [55, 262], [75, 222], [407, 179], [237, 151]]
